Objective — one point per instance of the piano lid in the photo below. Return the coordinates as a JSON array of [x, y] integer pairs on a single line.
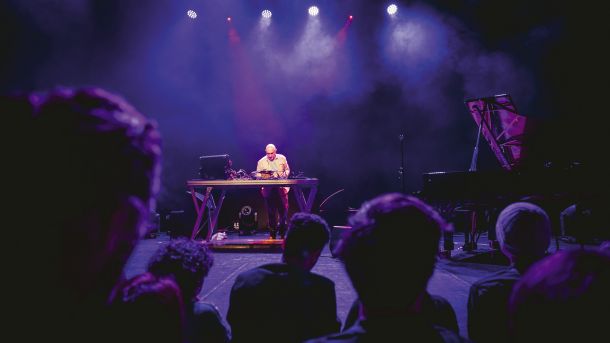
[[502, 127]]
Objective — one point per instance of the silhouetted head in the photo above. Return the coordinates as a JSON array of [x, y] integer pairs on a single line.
[[187, 261], [391, 250], [524, 232], [96, 164], [562, 298], [147, 309], [306, 236]]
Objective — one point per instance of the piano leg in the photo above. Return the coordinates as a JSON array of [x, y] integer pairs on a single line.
[[448, 245], [448, 241]]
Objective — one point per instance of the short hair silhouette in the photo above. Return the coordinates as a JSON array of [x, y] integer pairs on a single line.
[[307, 233], [185, 260], [391, 250], [562, 298], [93, 162], [523, 231], [148, 309]]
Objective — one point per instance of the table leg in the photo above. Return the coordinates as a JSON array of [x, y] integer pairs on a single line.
[[214, 215], [199, 209]]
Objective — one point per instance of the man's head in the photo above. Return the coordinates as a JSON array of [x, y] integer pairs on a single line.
[[103, 158], [271, 151], [390, 252], [307, 234], [146, 308], [186, 261], [562, 298], [524, 232]]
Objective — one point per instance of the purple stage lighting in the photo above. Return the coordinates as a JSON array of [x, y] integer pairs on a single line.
[[191, 14], [392, 9], [313, 11], [266, 14]]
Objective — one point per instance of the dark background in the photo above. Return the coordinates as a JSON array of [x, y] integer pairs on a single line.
[[332, 96]]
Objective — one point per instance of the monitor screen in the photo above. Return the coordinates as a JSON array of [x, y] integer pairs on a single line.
[[213, 167]]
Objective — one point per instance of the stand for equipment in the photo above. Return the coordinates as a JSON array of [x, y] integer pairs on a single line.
[[401, 170]]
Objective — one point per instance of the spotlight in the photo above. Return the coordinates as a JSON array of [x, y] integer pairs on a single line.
[[313, 11], [229, 19], [392, 9], [247, 222], [351, 17], [266, 14], [191, 14]]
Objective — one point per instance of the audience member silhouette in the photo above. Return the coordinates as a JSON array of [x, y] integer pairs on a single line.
[[188, 262], [524, 233], [389, 275], [436, 308], [563, 298], [147, 309], [285, 302], [89, 170]]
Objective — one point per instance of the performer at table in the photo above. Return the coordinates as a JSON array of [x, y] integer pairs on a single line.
[[274, 165]]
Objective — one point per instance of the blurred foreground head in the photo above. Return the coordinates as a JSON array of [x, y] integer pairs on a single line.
[[391, 250], [92, 162], [563, 298]]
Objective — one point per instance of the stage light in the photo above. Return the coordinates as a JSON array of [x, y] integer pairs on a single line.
[[392, 9], [351, 17], [229, 19], [313, 11], [248, 221], [266, 14], [191, 14]]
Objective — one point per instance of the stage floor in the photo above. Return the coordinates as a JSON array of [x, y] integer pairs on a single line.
[[452, 277]]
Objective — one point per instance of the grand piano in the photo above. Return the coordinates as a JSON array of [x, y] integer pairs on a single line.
[[481, 194]]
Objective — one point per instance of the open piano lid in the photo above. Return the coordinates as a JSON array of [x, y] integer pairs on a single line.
[[502, 126]]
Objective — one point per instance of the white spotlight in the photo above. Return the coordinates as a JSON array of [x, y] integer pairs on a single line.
[[191, 14], [313, 11], [266, 14], [392, 9]]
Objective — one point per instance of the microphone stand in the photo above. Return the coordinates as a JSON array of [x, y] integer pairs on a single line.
[[401, 170]]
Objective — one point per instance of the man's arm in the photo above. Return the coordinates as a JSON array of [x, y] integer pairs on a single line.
[[284, 168], [259, 165]]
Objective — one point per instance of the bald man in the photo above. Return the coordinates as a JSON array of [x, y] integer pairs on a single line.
[[276, 198]]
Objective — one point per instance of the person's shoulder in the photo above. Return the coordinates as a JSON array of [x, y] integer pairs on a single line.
[[262, 269], [258, 273], [262, 159], [448, 336], [321, 279], [504, 276], [439, 301], [495, 284], [280, 156], [206, 309], [354, 334]]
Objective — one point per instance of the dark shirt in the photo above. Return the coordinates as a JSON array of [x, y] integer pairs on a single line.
[[488, 306], [281, 303], [205, 324], [436, 308], [395, 329]]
